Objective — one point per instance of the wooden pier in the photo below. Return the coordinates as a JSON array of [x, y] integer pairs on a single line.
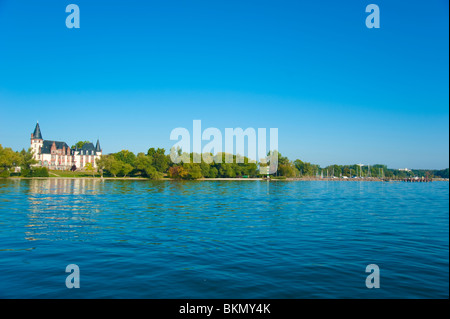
[[418, 180]]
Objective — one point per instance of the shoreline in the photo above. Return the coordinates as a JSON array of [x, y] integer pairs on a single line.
[[291, 179]]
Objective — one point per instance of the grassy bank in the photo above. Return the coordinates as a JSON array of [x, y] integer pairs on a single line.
[[54, 173]]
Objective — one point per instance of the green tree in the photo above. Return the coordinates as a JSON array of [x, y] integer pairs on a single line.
[[288, 169], [238, 169], [8, 159], [337, 170], [226, 170], [305, 168], [115, 167], [152, 173], [213, 172], [205, 169], [40, 172], [26, 159], [109, 164], [250, 169], [102, 163], [193, 171], [142, 162], [89, 168], [346, 171], [160, 160], [125, 156], [125, 169], [80, 144], [444, 173]]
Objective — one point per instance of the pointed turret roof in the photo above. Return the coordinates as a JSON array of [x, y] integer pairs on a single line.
[[37, 132], [97, 147]]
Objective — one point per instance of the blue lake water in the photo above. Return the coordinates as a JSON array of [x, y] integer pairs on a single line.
[[223, 239]]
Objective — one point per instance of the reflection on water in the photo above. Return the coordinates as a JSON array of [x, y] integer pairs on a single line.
[[65, 186], [222, 239], [62, 209]]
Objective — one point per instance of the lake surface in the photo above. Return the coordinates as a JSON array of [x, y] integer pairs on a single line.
[[223, 239]]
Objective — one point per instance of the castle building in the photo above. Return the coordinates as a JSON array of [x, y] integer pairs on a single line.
[[59, 156]]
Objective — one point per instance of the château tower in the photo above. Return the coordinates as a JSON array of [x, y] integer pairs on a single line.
[[36, 141], [98, 149]]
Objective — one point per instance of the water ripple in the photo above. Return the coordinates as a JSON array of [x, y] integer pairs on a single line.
[[223, 239]]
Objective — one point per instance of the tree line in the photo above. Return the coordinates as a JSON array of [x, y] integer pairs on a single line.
[[156, 164]]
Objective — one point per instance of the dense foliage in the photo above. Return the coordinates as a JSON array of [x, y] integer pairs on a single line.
[[156, 164], [10, 160], [80, 144]]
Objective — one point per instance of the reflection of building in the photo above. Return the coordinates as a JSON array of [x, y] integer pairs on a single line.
[[65, 186], [70, 217], [58, 155]]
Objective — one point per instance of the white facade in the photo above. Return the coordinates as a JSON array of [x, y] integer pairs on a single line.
[[59, 156]]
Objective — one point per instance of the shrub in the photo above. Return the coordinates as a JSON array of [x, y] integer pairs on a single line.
[[5, 173], [25, 172], [278, 177], [40, 172]]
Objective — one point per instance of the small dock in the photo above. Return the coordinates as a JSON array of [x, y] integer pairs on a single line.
[[418, 180]]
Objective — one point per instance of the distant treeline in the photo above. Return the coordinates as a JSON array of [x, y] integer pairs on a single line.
[[442, 173], [156, 164]]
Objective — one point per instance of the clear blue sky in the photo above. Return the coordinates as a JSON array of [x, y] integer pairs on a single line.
[[337, 91]]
